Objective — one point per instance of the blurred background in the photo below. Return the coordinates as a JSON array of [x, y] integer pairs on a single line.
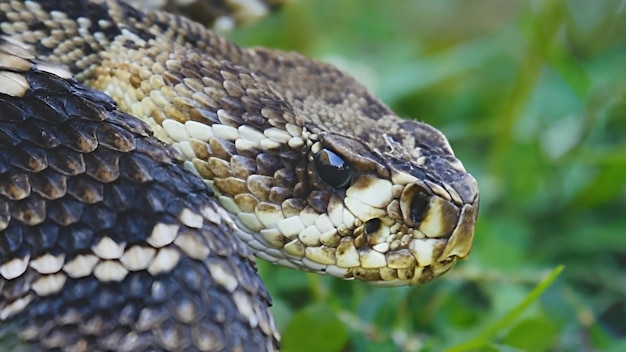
[[532, 96]]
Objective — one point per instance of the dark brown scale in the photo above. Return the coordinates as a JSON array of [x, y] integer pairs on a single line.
[[37, 134], [85, 189], [256, 120], [14, 185], [234, 117], [301, 172], [250, 153], [293, 206], [280, 194], [134, 126], [5, 214], [231, 186], [53, 98], [291, 157], [4, 164], [233, 88], [250, 101], [154, 149], [116, 138], [222, 149], [260, 186], [268, 164], [231, 104], [13, 114], [171, 79], [9, 134], [46, 112], [134, 169], [157, 200], [79, 136], [31, 211], [104, 167], [207, 69], [301, 189], [193, 73], [119, 196], [29, 158], [73, 106], [286, 177], [206, 116], [15, 289], [49, 184], [65, 211], [46, 236], [66, 161], [318, 201], [242, 167], [99, 217], [11, 242], [81, 239]]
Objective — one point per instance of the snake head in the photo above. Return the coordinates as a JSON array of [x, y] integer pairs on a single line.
[[331, 182], [401, 216], [382, 207]]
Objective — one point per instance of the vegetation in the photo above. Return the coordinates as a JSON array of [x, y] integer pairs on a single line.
[[532, 95]]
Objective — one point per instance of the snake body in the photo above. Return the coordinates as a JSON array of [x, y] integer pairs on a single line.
[[107, 242], [315, 172]]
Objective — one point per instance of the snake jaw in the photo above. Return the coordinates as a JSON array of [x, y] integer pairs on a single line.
[[416, 248]]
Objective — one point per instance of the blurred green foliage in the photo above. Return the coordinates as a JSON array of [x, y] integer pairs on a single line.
[[532, 96]]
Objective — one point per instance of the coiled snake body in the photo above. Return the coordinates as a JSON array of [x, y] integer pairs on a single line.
[[107, 242]]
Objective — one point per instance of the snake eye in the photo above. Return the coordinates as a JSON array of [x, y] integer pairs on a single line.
[[332, 168]]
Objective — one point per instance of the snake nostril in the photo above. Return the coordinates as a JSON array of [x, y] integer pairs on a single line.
[[371, 226], [419, 206]]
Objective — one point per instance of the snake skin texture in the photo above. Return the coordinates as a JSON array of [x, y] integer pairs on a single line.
[[107, 243], [318, 173], [112, 240], [221, 15]]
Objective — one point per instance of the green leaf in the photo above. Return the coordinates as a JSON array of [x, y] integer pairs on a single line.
[[532, 334], [490, 332], [313, 329], [599, 338], [618, 346]]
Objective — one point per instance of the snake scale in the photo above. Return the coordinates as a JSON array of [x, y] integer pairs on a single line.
[[129, 220]]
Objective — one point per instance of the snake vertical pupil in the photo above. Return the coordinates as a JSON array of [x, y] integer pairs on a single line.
[[332, 168], [419, 205]]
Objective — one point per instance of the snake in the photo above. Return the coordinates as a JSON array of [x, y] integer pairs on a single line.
[[146, 160]]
